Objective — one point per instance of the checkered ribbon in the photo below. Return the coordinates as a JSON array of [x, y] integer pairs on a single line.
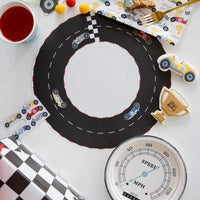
[[23, 176], [92, 27]]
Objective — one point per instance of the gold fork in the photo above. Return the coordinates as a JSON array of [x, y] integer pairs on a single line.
[[156, 16]]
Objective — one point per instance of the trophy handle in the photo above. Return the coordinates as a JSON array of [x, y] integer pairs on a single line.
[[164, 90], [186, 112]]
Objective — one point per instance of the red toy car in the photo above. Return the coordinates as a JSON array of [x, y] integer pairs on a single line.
[[178, 19], [33, 112], [143, 35]]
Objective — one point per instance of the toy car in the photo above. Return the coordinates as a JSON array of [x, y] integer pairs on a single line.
[[165, 39], [12, 119], [177, 2], [107, 3], [178, 19], [133, 111], [107, 14], [132, 18], [143, 35], [33, 112], [162, 25], [58, 99], [38, 117], [130, 12], [21, 130], [28, 106], [79, 39], [173, 62]]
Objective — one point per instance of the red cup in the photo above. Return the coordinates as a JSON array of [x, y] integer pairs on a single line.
[[17, 22]]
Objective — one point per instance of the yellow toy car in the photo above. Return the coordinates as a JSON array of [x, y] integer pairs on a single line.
[[173, 62], [12, 119], [28, 106], [58, 99]]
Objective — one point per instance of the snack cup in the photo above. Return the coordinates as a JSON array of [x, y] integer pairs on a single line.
[[34, 30]]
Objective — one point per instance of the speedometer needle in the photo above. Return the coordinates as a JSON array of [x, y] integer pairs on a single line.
[[143, 174]]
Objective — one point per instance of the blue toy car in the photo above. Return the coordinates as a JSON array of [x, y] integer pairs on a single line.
[[133, 111], [162, 25], [21, 130], [79, 39]]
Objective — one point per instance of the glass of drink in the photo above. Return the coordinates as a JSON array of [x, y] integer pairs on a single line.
[[17, 22]]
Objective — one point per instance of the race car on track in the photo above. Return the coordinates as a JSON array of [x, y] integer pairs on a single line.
[[143, 35], [79, 39], [132, 112], [58, 99]]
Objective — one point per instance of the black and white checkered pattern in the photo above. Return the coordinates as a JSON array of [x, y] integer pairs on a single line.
[[92, 27], [24, 176]]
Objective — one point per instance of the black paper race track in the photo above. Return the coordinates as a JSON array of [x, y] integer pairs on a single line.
[[49, 70]]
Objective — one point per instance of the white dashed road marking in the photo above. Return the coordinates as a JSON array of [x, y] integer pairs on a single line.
[[50, 65]]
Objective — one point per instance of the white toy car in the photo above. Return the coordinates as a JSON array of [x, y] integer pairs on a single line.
[[173, 62]]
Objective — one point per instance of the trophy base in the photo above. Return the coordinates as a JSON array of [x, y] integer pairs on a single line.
[[159, 116]]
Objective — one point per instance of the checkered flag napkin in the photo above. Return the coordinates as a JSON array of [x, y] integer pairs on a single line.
[[23, 176]]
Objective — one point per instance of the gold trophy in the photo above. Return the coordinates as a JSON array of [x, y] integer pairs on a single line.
[[170, 104]]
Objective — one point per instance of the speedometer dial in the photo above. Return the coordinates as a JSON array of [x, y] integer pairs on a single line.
[[145, 168]]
